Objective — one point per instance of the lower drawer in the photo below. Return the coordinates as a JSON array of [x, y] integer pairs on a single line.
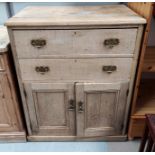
[[97, 69], [136, 128]]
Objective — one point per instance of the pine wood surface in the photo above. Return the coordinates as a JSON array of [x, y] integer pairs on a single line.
[[75, 15], [147, 13], [146, 98], [144, 9], [149, 60], [11, 126]]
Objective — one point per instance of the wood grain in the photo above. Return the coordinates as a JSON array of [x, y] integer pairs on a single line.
[[146, 99], [149, 7], [136, 128], [11, 123], [8, 121], [149, 60], [144, 9], [75, 15]]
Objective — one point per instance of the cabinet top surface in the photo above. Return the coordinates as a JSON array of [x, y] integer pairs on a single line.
[[75, 15], [4, 39]]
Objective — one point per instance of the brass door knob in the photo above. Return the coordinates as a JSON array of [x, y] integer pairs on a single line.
[[80, 107], [71, 105]]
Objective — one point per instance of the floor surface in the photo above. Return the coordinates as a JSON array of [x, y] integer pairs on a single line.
[[128, 146]]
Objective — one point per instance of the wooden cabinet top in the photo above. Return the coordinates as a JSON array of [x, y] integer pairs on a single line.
[[4, 39], [75, 15]]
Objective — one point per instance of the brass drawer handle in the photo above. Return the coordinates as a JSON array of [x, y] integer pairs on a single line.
[[80, 108], [109, 69], [38, 43], [71, 105], [110, 43], [42, 69]]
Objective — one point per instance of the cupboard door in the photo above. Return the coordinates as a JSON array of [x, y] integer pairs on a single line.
[[51, 108], [8, 118], [100, 108]]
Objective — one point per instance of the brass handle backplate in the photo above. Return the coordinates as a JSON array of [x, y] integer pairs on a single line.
[[109, 69], [111, 42], [39, 43], [71, 105], [42, 69], [80, 107]]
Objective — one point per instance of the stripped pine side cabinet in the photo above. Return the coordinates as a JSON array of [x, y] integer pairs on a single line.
[[11, 125], [76, 69]]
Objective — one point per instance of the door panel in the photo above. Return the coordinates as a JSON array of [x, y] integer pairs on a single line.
[[103, 106], [8, 119], [97, 109], [51, 114], [49, 108]]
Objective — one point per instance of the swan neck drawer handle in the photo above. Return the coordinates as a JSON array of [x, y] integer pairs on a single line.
[[42, 69], [111, 42], [109, 69], [38, 43]]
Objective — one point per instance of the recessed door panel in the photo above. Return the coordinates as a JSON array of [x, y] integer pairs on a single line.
[[100, 108]]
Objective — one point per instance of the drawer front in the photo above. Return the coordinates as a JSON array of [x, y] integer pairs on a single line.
[[137, 127], [45, 43], [99, 69]]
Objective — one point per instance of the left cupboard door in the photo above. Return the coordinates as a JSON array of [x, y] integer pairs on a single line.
[[51, 108]]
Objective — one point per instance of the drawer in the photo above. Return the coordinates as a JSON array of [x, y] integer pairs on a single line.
[[45, 43], [98, 69], [137, 127]]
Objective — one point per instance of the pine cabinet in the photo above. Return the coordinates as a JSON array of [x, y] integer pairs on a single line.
[[76, 68]]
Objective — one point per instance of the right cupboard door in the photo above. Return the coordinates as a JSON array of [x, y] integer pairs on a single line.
[[100, 108]]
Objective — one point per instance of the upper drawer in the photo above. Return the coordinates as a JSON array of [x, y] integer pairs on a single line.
[[87, 69], [46, 43]]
